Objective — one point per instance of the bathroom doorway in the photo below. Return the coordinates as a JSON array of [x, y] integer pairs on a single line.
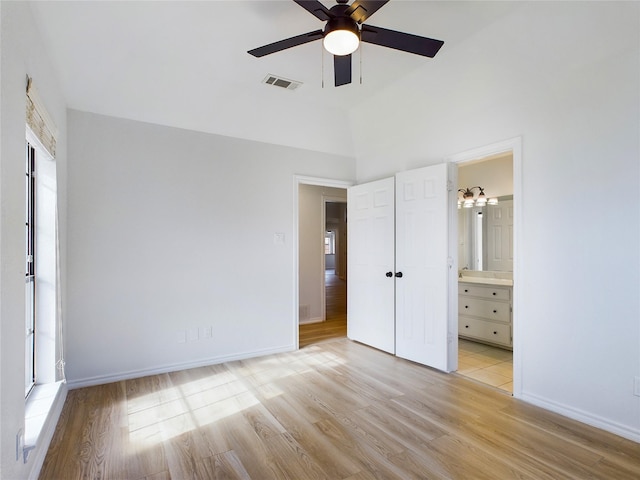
[[486, 261]]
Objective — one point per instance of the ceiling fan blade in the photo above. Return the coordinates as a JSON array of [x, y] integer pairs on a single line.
[[406, 42], [342, 69], [315, 8], [360, 10], [287, 43]]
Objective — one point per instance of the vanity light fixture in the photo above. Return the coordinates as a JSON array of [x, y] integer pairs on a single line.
[[468, 200]]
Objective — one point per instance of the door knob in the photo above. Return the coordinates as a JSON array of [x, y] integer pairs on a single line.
[[389, 274], [399, 274]]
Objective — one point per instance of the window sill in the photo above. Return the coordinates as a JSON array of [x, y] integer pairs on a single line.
[[38, 409]]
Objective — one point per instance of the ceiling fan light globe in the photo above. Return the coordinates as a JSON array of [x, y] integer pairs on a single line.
[[341, 42]]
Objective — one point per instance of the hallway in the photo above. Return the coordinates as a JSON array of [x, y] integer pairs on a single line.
[[335, 325]]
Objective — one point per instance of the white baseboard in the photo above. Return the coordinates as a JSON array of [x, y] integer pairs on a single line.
[[116, 377], [584, 417], [311, 320]]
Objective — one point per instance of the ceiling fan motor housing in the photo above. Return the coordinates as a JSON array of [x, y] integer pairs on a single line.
[[341, 23]]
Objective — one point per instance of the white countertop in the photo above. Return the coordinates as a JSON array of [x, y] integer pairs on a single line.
[[486, 281]]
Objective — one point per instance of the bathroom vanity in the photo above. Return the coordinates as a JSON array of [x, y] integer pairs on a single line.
[[485, 309]]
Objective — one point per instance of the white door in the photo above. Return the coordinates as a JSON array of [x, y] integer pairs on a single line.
[[370, 262], [423, 259], [500, 236]]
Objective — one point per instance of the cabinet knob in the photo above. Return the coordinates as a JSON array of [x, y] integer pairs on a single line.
[[466, 290], [495, 311], [466, 306], [494, 293], [389, 274], [495, 333], [399, 274], [466, 326]]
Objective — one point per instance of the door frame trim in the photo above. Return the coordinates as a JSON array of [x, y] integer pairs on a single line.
[[513, 145], [297, 181]]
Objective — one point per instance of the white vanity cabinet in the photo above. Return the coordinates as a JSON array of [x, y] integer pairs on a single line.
[[484, 313]]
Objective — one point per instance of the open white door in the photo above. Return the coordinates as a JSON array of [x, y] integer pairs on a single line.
[[370, 263], [423, 258]]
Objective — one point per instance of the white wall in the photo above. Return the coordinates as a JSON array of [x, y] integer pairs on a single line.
[[575, 103], [494, 175], [311, 245], [172, 231], [22, 54]]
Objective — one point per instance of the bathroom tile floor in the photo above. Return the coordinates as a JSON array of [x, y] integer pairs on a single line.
[[486, 364]]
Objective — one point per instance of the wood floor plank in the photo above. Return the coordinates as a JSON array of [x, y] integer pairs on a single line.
[[385, 419], [328, 396], [294, 460], [336, 410], [96, 452], [223, 466], [492, 435], [184, 453], [371, 457], [362, 384], [165, 475], [448, 450], [144, 459], [335, 462], [421, 466], [252, 452]]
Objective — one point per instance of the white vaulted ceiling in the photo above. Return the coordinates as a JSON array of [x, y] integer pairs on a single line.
[[185, 64]]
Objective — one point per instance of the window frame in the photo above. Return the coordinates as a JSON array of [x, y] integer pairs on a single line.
[[30, 268], [329, 242]]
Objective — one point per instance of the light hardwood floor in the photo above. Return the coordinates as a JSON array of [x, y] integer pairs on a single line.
[[334, 410]]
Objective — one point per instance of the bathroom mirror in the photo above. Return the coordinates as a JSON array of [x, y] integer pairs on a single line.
[[485, 237]]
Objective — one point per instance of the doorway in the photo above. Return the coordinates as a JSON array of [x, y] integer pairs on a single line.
[[334, 278], [486, 259], [320, 290]]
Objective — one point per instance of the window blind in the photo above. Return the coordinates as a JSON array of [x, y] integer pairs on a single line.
[[39, 120]]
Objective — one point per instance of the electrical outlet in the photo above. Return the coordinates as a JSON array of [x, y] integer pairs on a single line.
[[193, 334], [636, 386], [19, 444], [207, 332]]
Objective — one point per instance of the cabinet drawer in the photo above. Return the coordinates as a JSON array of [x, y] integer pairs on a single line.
[[497, 311], [484, 291], [484, 330]]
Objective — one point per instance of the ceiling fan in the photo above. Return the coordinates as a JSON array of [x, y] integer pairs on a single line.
[[345, 30]]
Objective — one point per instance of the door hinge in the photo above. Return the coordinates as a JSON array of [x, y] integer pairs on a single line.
[[449, 185]]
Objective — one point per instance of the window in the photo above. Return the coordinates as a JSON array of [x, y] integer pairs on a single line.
[[329, 243], [43, 344], [44, 352], [30, 279]]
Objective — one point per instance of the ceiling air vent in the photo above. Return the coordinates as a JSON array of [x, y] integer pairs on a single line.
[[281, 82]]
